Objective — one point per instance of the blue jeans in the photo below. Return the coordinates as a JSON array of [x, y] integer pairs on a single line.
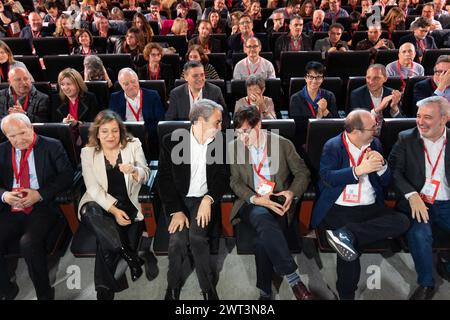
[[420, 240]]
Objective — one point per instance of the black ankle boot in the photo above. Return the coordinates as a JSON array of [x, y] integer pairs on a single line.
[[134, 262], [172, 294], [105, 294], [211, 294]]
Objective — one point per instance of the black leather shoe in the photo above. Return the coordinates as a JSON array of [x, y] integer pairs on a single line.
[[301, 292], [442, 270], [151, 266], [134, 262], [264, 298], [50, 295], [105, 294], [211, 294], [172, 294], [423, 293], [12, 293]]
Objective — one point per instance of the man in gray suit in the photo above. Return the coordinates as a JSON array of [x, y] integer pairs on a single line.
[[266, 175], [183, 97]]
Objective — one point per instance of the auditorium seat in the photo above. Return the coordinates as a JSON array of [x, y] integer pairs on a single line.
[[222, 37], [397, 35], [333, 84], [116, 62], [429, 59], [51, 46], [410, 18], [55, 64], [273, 37], [292, 64], [218, 82], [390, 130], [385, 57], [347, 64], [34, 66], [174, 61], [100, 44], [101, 91], [178, 42], [409, 109], [18, 46], [218, 61]]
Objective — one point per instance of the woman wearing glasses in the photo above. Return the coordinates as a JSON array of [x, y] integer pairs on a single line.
[[155, 69], [313, 102]]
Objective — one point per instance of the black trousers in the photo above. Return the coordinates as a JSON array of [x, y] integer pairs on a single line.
[[272, 252], [32, 232], [196, 240], [368, 224], [110, 238]]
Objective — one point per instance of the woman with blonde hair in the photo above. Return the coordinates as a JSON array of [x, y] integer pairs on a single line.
[[180, 27], [77, 104], [114, 169], [7, 62], [394, 20]]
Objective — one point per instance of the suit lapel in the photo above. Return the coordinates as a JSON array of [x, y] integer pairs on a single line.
[[126, 159], [184, 112], [420, 154], [82, 108], [39, 160], [368, 98], [100, 168]]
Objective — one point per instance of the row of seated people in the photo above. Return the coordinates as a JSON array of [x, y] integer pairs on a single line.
[[346, 231], [307, 99]]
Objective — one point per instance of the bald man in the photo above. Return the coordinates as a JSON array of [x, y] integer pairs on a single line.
[[23, 97], [36, 29], [350, 209], [405, 67], [34, 170]]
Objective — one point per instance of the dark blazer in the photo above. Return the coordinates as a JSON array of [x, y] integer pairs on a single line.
[[299, 109], [87, 108], [173, 180], [283, 42], [53, 169], [335, 173], [360, 98], [25, 33], [166, 74], [307, 28], [407, 160], [429, 41], [423, 89], [179, 105], [152, 108], [79, 50], [38, 105], [213, 44]]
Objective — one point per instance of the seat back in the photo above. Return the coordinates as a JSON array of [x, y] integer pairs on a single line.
[[333, 84], [347, 64], [397, 35], [18, 46], [101, 91], [292, 64], [33, 65], [390, 130], [385, 57], [408, 105], [429, 59], [55, 64], [218, 61], [116, 62], [178, 42], [51, 46], [174, 61], [100, 43]]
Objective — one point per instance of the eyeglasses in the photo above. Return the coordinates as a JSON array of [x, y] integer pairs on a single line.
[[252, 47], [243, 132], [155, 54], [244, 22], [439, 71], [317, 78]]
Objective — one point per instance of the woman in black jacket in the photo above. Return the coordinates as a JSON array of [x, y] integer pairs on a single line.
[[155, 69]]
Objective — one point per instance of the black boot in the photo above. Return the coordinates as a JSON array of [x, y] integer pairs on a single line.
[[172, 294], [134, 262], [105, 294], [211, 294]]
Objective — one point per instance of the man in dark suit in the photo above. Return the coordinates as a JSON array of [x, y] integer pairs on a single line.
[[420, 37], [350, 208], [183, 97], [421, 174], [134, 103], [191, 188], [35, 29], [34, 170], [438, 85], [22, 96], [209, 44], [374, 96], [266, 175], [295, 40]]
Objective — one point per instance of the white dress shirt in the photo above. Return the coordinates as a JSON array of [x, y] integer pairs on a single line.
[[191, 98], [367, 196], [135, 104], [198, 186]]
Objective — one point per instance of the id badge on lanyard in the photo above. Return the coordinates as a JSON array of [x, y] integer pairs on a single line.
[[352, 192], [264, 187], [431, 187]]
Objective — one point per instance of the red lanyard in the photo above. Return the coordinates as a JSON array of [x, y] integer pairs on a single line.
[[433, 168], [84, 53], [421, 44], [2, 74], [73, 109], [136, 114], [150, 74], [433, 85], [314, 29], [36, 35], [248, 68], [242, 38], [352, 161], [25, 105], [296, 47], [23, 160], [258, 170], [402, 79]]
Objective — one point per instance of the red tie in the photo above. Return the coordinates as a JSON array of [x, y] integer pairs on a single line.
[[25, 179]]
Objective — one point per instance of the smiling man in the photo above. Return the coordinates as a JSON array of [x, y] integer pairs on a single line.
[[421, 176], [254, 64]]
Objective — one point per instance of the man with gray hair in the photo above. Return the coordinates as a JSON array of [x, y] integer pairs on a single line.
[[134, 103], [350, 210], [183, 98], [192, 177], [438, 85], [421, 176], [22, 97], [34, 170]]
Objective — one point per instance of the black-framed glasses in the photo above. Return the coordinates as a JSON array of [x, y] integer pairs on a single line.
[[317, 78]]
